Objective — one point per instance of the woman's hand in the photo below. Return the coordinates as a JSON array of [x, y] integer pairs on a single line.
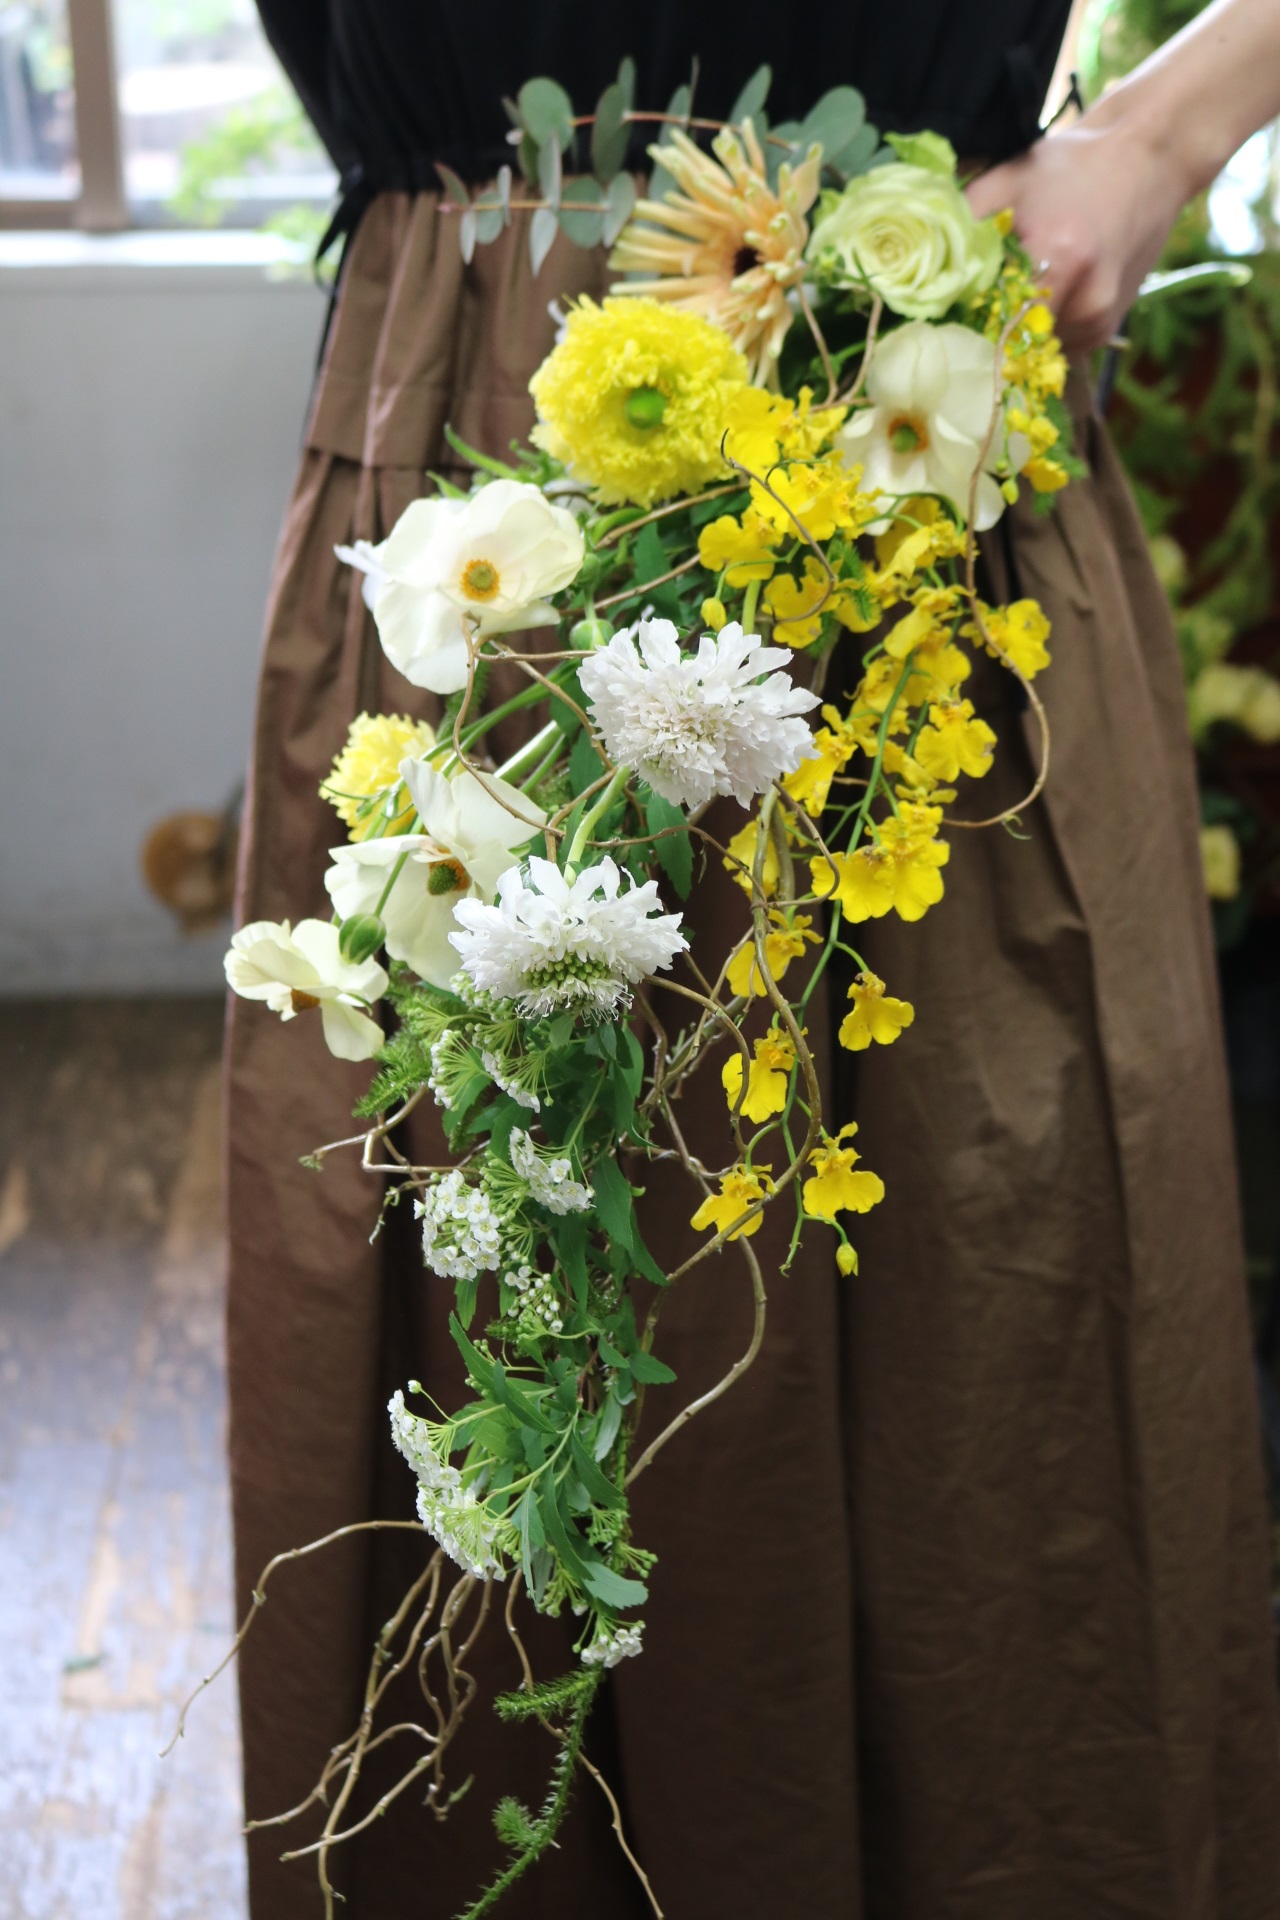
[[1095, 202], [1093, 206]]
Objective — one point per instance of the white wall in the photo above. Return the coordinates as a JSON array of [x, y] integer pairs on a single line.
[[153, 390]]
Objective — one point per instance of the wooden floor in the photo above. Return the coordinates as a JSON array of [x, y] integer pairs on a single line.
[[114, 1552]]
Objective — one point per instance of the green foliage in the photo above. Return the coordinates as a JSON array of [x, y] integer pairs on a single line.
[[247, 138]]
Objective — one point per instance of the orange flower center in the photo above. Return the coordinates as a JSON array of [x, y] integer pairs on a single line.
[[480, 580], [908, 433], [447, 876], [302, 1001]]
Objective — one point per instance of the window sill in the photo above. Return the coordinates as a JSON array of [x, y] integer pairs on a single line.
[[181, 259]]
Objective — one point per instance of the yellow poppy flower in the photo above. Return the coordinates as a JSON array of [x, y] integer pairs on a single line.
[[954, 741], [784, 944], [739, 1190], [875, 1015], [834, 1186], [766, 1082]]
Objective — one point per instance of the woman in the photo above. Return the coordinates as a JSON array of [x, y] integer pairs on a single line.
[[961, 1604]]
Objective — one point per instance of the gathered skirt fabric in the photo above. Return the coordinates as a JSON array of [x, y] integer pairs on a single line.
[[961, 1604]]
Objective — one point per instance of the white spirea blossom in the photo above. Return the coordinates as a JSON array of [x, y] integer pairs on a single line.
[[483, 564], [461, 1233], [497, 1072], [609, 1647], [550, 942], [297, 968], [549, 1178], [536, 1307], [450, 1512], [698, 724]]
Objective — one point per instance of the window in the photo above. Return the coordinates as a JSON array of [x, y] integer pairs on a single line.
[[118, 113]]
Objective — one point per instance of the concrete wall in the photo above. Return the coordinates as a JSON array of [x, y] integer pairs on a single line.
[[153, 390]]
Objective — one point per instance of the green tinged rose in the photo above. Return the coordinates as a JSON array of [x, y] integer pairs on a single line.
[[907, 232]]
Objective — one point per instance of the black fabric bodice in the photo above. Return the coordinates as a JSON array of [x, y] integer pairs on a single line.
[[393, 85]]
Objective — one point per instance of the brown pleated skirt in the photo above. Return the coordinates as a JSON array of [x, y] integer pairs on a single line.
[[961, 1609]]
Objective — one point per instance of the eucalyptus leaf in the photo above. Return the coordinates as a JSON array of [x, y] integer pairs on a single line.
[[585, 229], [504, 193], [752, 98], [542, 235], [456, 189], [610, 134], [550, 172], [468, 233], [546, 112], [622, 199], [489, 222], [528, 158], [859, 153], [627, 80], [836, 120], [680, 105]]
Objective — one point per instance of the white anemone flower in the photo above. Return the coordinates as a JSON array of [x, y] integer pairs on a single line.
[[471, 828], [932, 390], [718, 721], [550, 942], [295, 968], [452, 567]]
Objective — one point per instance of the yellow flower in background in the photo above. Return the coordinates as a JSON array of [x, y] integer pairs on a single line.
[[1220, 858], [741, 550], [1046, 476], [798, 605], [925, 532], [784, 943], [724, 243], [927, 623], [822, 495], [369, 764], [740, 1189], [1021, 630], [954, 741], [775, 1056], [834, 1187], [836, 745], [1245, 697], [875, 1015], [897, 873], [742, 847], [633, 399]]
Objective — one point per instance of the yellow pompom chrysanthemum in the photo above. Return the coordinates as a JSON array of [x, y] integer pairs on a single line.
[[634, 399], [369, 764]]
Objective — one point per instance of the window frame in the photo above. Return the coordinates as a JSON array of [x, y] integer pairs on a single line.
[[100, 205]]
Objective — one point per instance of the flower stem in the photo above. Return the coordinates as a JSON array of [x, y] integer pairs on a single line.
[[593, 814], [749, 605], [532, 751]]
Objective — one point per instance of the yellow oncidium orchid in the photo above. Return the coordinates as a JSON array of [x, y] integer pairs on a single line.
[[875, 1015], [1021, 630], [898, 873], [775, 1056], [954, 741], [740, 1189], [742, 848], [785, 943], [798, 605], [836, 744], [834, 1187], [741, 550]]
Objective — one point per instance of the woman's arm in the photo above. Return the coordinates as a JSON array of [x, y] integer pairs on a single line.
[[1095, 201]]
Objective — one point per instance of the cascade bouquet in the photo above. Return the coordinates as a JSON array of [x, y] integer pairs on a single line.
[[816, 380]]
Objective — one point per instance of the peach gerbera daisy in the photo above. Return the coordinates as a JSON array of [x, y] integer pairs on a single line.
[[726, 244]]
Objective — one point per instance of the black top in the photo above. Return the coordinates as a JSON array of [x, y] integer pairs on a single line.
[[393, 85]]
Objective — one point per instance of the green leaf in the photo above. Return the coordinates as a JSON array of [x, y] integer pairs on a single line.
[[605, 1041], [627, 79], [622, 199], [610, 134], [543, 228], [612, 1589], [601, 1490], [838, 117], [609, 1353], [607, 1427], [546, 111], [566, 1540], [675, 852], [508, 1394], [465, 1295], [456, 188], [478, 1368], [928, 150], [633, 1065], [613, 1201], [650, 557], [857, 156], [585, 230], [550, 172], [645, 1263], [680, 105], [653, 1372], [570, 1240], [753, 96], [584, 767]]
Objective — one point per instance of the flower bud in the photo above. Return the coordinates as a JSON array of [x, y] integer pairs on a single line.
[[590, 633], [360, 937], [713, 612], [846, 1258]]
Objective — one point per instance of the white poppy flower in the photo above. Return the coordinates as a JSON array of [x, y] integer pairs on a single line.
[[467, 841], [932, 390], [698, 724], [294, 968], [551, 942], [481, 565]]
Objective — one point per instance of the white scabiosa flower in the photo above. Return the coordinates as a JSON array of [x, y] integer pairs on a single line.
[[694, 725], [549, 1177], [549, 942], [612, 1644], [471, 827], [297, 968], [461, 1233], [932, 393], [448, 567]]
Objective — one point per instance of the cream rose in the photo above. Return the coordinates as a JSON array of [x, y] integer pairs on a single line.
[[906, 232]]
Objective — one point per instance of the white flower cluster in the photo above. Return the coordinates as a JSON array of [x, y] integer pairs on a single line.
[[698, 724], [438, 1078], [551, 942], [496, 1070], [549, 1180], [461, 1233], [449, 1511], [608, 1648], [536, 1308]]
